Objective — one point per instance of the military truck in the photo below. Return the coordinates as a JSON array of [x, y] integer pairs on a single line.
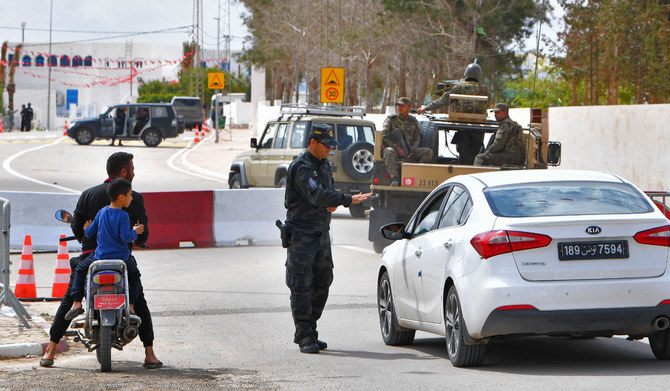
[[398, 203]]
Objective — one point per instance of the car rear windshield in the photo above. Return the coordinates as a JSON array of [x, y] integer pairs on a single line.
[[186, 102], [565, 198]]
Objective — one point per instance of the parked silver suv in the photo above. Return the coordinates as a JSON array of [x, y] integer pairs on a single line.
[[285, 138]]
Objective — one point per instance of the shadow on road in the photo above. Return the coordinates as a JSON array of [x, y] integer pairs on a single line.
[[558, 356]]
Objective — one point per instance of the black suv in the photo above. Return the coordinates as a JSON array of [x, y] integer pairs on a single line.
[[192, 110], [150, 122]]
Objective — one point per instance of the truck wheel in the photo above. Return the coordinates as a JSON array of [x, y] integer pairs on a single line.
[[235, 181], [282, 183], [152, 137], [358, 160], [84, 136], [430, 137], [379, 246], [357, 210]]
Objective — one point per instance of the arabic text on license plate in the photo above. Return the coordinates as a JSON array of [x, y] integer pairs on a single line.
[[593, 250], [109, 302]]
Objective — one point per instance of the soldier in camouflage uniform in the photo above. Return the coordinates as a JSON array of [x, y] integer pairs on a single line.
[[408, 150], [507, 146], [310, 199], [468, 143]]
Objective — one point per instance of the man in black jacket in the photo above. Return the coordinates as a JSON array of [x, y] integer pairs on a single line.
[[119, 165]]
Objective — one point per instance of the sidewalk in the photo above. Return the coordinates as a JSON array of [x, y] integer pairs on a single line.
[[18, 341]]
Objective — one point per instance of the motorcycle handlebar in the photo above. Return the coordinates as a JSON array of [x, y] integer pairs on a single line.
[[67, 238]]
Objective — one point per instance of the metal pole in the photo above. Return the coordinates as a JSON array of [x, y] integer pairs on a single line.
[[7, 296], [131, 70], [23, 32], [51, 7]]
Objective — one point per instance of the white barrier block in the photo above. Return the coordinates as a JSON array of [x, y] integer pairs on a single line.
[[34, 214], [248, 215]]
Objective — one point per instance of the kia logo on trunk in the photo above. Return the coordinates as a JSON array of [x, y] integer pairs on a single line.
[[593, 230]]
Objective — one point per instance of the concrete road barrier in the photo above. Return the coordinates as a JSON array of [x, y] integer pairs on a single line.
[[34, 214], [247, 216]]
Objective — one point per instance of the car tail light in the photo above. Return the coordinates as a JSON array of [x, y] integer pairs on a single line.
[[664, 302], [492, 243], [656, 236]]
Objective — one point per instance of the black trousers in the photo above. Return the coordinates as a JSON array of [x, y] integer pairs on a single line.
[[309, 273], [60, 325]]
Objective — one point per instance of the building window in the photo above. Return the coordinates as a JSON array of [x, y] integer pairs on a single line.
[[121, 63], [10, 58], [26, 61], [53, 61], [39, 61], [64, 61], [88, 61], [77, 61], [106, 62]]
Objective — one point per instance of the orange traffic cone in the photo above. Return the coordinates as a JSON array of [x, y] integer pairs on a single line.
[[62, 276], [65, 131], [204, 126], [25, 284], [197, 136], [2, 127]]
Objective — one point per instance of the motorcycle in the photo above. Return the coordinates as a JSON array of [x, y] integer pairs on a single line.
[[107, 322]]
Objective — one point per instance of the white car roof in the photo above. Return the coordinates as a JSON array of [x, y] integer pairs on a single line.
[[498, 178]]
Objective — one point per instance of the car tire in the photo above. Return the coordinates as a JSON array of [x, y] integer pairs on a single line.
[[235, 181], [152, 137], [460, 352], [281, 184], [84, 136], [357, 210], [429, 137], [392, 333], [358, 160], [660, 344]]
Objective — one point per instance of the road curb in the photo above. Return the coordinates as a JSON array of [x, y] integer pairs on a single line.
[[17, 350]]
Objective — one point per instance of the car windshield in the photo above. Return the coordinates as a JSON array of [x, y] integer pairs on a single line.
[[565, 198]]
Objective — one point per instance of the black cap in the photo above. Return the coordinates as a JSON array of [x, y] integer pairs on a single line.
[[323, 133]]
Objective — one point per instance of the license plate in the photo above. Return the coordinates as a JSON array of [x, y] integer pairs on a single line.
[[109, 302], [570, 251]]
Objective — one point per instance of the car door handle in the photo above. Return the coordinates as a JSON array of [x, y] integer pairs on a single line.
[[448, 244], [417, 253]]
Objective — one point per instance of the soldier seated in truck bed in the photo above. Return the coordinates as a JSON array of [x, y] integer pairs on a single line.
[[506, 146]]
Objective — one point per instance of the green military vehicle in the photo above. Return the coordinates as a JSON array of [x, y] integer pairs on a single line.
[[398, 203], [284, 139]]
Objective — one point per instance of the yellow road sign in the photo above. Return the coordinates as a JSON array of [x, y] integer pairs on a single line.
[[216, 80], [332, 85]]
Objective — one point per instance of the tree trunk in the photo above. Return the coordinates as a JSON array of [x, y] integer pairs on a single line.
[[402, 91]]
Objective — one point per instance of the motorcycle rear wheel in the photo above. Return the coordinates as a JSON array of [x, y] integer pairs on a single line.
[[104, 351]]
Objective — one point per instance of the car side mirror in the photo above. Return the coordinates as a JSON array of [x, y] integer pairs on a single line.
[[63, 215], [554, 153], [254, 142], [394, 231]]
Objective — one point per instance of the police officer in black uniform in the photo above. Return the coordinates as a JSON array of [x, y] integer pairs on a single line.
[[310, 199]]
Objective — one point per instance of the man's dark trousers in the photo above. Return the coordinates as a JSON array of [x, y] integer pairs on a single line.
[[60, 325], [309, 273]]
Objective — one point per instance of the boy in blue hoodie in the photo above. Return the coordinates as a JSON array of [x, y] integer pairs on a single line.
[[114, 233]]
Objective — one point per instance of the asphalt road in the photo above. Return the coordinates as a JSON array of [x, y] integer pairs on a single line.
[[222, 318]]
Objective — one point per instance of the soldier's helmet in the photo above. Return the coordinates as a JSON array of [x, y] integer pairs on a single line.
[[473, 71]]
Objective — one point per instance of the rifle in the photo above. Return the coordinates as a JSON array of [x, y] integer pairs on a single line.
[[399, 137]]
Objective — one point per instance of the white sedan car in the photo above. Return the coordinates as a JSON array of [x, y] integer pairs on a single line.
[[532, 252]]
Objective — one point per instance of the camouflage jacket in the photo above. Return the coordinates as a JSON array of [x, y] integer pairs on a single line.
[[409, 126], [309, 190], [508, 138], [464, 106]]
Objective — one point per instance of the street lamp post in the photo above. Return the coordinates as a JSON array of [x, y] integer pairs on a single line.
[[49, 65], [23, 32]]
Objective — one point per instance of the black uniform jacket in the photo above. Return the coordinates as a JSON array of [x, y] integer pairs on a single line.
[[309, 190], [96, 198]]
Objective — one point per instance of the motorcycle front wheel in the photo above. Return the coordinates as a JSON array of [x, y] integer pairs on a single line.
[[104, 350]]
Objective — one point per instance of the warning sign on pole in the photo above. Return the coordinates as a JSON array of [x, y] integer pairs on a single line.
[[332, 85], [216, 80]]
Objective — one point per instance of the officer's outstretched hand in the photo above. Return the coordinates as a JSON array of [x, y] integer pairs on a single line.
[[420, 110], [360, 197]]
